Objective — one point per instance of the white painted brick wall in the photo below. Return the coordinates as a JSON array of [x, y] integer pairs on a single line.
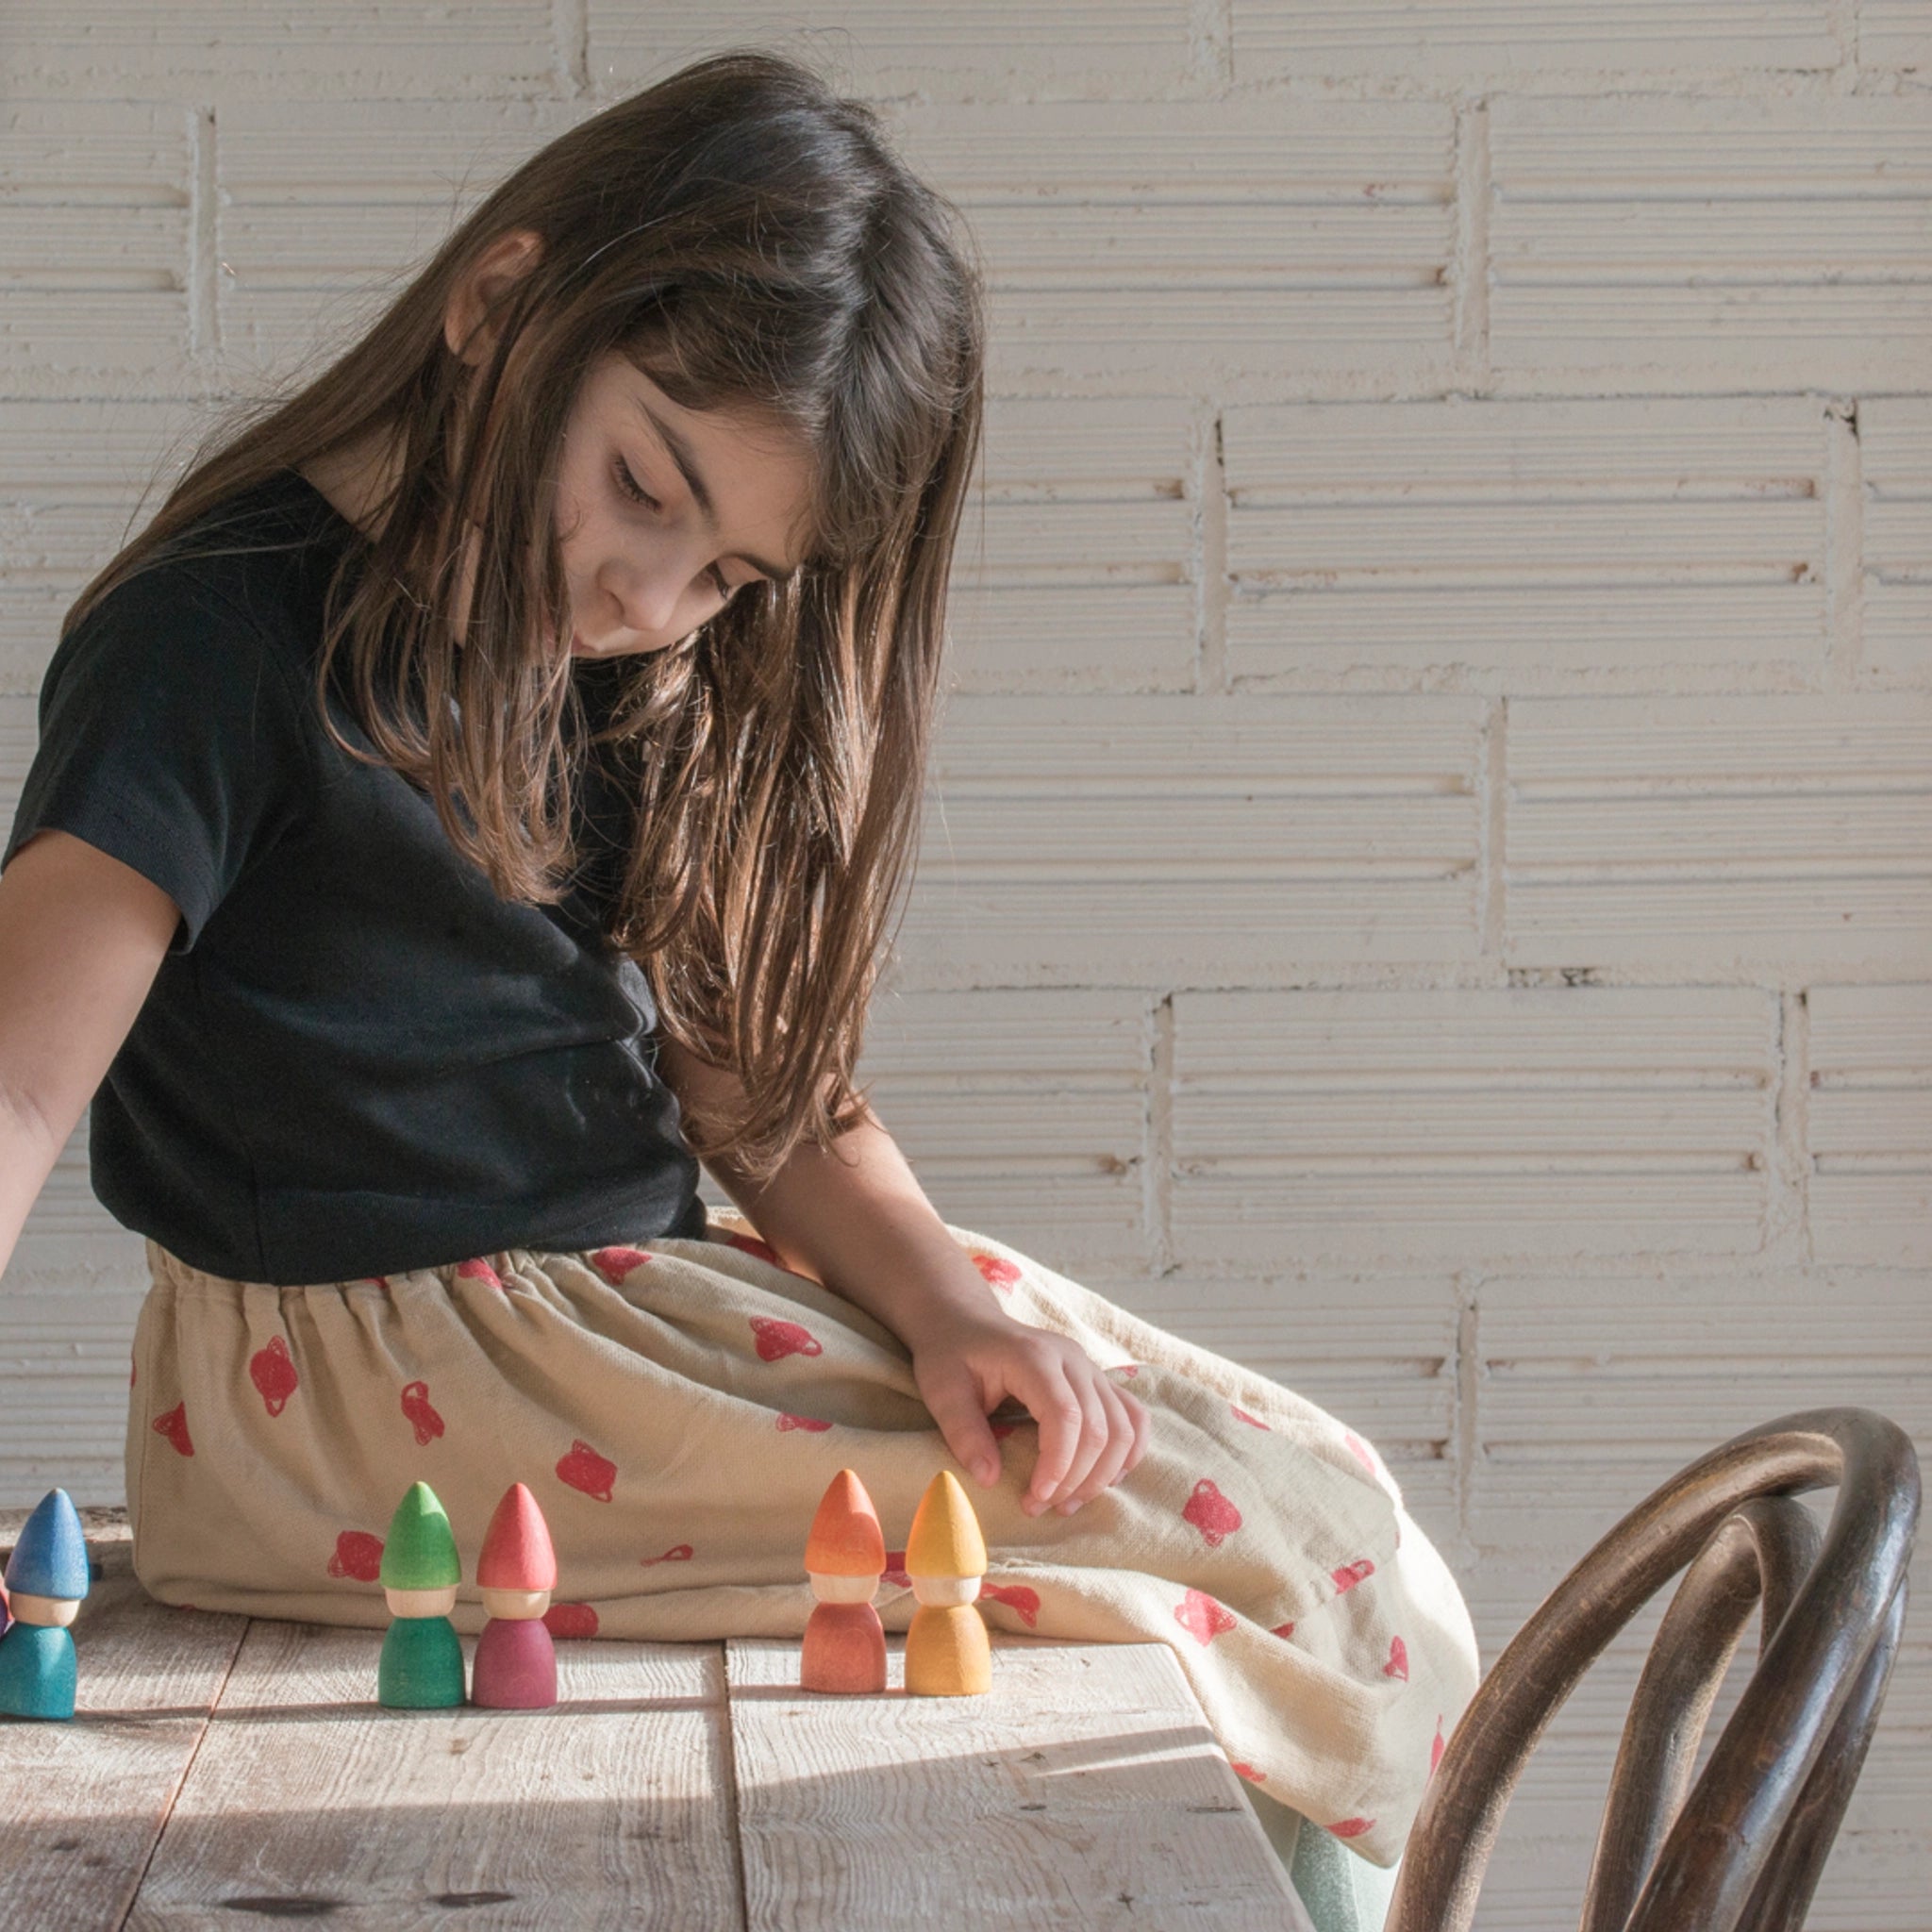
[[1429, 874]]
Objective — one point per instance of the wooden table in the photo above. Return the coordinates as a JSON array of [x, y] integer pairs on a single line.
[[224, 1771]]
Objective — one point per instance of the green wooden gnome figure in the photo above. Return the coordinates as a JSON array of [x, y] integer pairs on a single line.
[[47, 1578], [421, 1666]]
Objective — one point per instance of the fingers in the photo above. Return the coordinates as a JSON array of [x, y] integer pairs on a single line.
[[1117, 1444], [1137, 1411], [1097, 1424], [1091, 1433], [1062, 1414], [954, 1405], [1112, 1437]]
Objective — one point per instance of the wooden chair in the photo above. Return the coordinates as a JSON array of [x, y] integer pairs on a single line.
[[1743, 1845]]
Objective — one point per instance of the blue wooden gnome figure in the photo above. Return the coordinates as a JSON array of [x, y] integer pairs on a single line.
[[421, 1662], [47, 1578]]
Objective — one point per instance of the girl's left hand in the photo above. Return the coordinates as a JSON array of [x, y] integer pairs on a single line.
[[1091, 1433]]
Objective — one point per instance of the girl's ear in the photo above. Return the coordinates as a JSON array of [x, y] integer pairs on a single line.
[[504, 262]]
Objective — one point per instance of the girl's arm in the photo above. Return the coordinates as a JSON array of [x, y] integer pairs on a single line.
[[855, 1218], [82, 936]]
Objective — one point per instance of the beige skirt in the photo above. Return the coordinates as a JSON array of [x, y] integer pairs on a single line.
[[678, 1408]]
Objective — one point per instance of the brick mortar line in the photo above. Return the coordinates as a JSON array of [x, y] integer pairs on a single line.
[[1213, 587], [1788, 1208], [203, 248], [1465, 1424], [1492, 789], [569, 22], [1844, 548], [1159, 1186], [1469, 264]]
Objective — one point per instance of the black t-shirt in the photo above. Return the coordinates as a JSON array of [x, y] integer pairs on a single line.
[[355, 1058]]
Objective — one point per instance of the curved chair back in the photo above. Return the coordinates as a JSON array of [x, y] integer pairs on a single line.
[[1743, 1845]]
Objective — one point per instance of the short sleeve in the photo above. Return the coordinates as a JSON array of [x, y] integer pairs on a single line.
[[169, 739]]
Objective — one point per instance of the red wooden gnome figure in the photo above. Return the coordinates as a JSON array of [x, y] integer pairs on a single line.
[[516, 1661], [844, 1557]]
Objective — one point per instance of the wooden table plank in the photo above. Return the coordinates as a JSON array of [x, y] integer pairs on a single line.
[[83, 1801], [309, 1799], [221, 1771], [1084, 1789]]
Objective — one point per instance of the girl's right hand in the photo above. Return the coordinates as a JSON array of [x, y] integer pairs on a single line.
[[966, 1363]]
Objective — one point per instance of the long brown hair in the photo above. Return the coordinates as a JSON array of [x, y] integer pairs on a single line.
[[747, 238]]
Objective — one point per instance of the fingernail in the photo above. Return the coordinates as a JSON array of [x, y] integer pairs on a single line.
[[1072, 1508]]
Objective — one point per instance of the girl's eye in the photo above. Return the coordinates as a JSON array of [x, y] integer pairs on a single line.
[[630, 487]]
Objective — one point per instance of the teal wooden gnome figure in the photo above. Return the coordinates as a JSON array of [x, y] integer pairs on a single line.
[[47, 1578], [421, 1666]]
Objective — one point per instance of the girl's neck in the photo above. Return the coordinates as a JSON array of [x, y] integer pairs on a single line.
[[354, 477]]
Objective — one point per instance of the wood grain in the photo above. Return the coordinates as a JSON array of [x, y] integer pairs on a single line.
[[307, 1799], [83, 1801], [221, 1768], [1084, 1788]]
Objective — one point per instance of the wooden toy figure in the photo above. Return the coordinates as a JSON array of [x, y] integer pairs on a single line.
[[516, 1661], [47, 1578], [421, 1666], [946, 1651], [844, 1557]]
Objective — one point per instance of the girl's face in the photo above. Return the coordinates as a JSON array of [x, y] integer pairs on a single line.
[[664, 513]]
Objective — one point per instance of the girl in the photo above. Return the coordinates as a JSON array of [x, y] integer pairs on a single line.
[[478, 796]]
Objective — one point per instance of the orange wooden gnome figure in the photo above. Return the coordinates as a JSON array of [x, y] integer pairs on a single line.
[[844, 1557], [516, 1661], [946, 1651]]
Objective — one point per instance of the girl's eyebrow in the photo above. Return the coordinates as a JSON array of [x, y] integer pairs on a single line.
[[680, 454]]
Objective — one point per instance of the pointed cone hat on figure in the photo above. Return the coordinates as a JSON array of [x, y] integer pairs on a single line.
[[50, 1558], [945, 1539], [846, 1539], [420, 1552], [517, 1551]]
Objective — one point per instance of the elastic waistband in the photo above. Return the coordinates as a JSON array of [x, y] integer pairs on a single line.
[[165, 1265]]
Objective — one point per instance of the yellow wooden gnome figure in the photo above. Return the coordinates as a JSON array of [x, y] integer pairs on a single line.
[[946, 1651]]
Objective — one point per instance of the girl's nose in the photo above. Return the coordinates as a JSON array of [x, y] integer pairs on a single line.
[[650, 598]]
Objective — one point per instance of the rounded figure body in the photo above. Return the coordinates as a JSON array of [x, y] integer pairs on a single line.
[[516, 1665], [422, 1665], [844, 1649], [946, 1652], [38, 1671]]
